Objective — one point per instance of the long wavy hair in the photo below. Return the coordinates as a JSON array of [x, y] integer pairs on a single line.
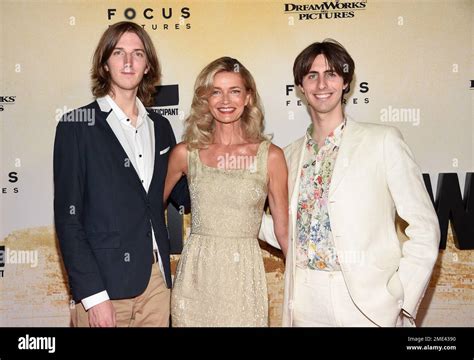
[[200, 124], [101, 80]]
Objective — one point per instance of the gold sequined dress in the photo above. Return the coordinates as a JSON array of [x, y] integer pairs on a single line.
[[220, 279]]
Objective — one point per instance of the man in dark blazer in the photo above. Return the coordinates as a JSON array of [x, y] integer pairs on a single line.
[[110, 164]]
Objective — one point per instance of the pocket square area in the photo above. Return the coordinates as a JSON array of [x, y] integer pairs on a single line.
[[164, 151]]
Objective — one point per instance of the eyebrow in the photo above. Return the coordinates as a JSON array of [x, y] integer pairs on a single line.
[[326, 71], [233, 87], [121, 48]]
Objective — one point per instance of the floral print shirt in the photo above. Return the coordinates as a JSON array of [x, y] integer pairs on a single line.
[[315, 247]]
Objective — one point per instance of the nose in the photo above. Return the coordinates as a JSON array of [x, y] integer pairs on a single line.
[[128, 59], [225, 97], [322, 82]]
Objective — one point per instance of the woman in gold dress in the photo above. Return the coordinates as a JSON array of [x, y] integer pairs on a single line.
[[231, 169]]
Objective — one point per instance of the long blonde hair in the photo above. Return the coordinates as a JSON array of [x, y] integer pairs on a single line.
[[200, 124]]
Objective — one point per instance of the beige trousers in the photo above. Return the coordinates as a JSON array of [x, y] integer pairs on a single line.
[[149, 309]]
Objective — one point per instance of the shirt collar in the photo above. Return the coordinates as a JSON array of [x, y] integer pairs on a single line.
[[142, 113], [333, 138]]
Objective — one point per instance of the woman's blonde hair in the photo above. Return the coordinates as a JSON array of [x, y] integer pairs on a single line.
[[200, 124]]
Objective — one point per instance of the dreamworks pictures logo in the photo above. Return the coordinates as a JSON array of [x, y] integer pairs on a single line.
[[324, 10], [6, 100]]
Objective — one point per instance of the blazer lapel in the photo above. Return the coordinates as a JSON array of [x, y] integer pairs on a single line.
[[114, 129], [295, 162], [154, 141], [294, 159], [352, 137], [118, 133]]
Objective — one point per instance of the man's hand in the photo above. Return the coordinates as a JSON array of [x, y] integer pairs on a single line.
[[102, 315]]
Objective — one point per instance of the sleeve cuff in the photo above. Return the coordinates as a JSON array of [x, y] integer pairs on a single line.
[[95, 299]]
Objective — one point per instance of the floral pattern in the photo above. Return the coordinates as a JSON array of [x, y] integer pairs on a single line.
[[315, 247]]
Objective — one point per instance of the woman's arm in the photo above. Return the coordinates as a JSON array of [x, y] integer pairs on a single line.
[[278, 194], [177, 166]]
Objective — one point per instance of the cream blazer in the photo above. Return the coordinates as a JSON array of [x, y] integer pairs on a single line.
[[374, 177]]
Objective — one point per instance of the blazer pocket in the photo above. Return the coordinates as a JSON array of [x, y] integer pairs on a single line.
[[105, 240], [165, 150], [395, 287]]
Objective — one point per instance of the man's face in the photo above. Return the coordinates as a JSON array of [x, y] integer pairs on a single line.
[[128, 63], [323, 88], [228, 98]]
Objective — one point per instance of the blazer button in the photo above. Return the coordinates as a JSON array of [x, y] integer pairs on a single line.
[[148, 234]]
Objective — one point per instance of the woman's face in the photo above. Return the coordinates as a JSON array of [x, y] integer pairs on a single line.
[[228, 97]]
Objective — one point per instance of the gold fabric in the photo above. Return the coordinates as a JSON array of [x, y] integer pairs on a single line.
[[220, 279]]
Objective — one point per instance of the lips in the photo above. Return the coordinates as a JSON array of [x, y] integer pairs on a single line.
[[128, 71], [226, 110], [322, 96]]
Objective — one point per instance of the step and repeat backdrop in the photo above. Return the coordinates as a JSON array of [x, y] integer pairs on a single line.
[[414, 71]]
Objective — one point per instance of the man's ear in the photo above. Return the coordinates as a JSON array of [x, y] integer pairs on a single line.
[[301, 88]]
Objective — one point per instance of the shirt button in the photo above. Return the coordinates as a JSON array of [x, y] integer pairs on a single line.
[[128, 119], [140, 155]]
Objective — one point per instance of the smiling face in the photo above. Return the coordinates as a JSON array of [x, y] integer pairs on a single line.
[[323, 88], [228, 98], [127, 64]]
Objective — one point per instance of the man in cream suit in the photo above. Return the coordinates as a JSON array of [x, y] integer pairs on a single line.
[[347, 181]]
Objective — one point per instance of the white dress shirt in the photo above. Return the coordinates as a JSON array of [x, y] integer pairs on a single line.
[[139, 144]]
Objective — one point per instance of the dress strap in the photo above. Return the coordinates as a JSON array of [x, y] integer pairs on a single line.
[[192, 162], [262, 157]]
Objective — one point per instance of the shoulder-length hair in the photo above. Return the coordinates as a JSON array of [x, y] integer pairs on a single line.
[[200, 124], [336, 55], [101, 81]]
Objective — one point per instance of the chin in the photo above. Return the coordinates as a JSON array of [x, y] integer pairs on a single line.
[[129, 87], [324, 109]]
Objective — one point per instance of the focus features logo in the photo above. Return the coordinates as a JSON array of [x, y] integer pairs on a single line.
[[358, 97], [12, 179], [162, 18]]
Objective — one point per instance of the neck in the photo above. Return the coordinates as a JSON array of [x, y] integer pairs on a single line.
[[126, 101], [324, 124], [228, 134]]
